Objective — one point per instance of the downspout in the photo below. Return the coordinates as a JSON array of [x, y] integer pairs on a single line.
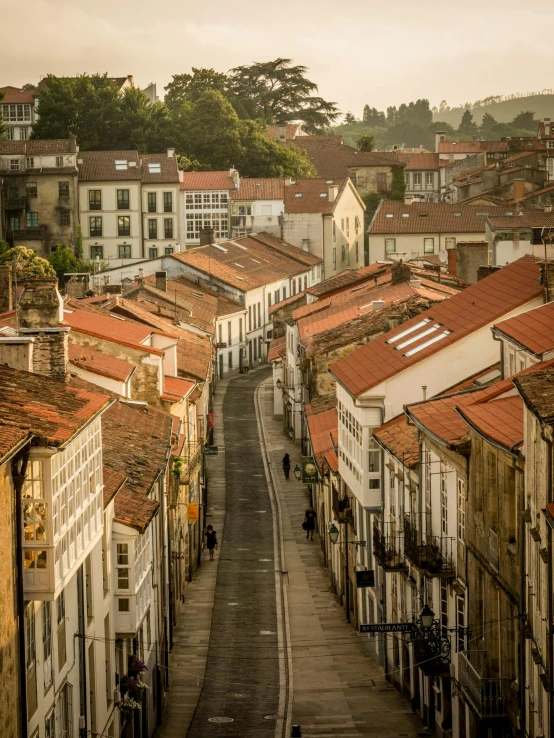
[[81, 635], [522, 613], [549, 592], [18, 477]]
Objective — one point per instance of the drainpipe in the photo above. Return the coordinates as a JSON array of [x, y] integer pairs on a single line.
[[522, 613], [549, 592], [81, 635], [18, 476]]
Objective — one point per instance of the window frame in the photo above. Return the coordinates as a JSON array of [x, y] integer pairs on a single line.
[[168, 202], [151, 202], [387, 244], [426, 244], [123, 225], [152, 228], [63, 190], [168, 232], [96, 250], [126, 248], [94, 195], [123, 199], [95, 230]]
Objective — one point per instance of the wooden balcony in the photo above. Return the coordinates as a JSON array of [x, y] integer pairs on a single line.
[[27, 234], [14, 203], [433, 555], [388, 548], [486, 696]]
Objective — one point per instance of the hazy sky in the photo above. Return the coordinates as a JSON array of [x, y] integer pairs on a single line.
[[380, 53]]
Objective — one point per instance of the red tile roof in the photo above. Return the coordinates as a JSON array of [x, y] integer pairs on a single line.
[[169, 173], [347, 278], [99, 166], [98, 363], [499, 421], [207, 181], [533, 330], [292, 130], [47, 408], [475, 307], [471, 147], [287, 249], [394, 217], [16, 95], [136, 444], [277, 348], [401, 440], [113, 481], [312, 195], [536, 386], [331, 161], [289, 301], [46, 147], [320, 427], [419, 161], [527, 219], [177, 387], [11, 437], [260, 189]]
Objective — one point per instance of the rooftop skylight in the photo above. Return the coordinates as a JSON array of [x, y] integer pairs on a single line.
[[408, 341], [422, 346], [221, 248], [120, 164], [407, 332], [155, 168]]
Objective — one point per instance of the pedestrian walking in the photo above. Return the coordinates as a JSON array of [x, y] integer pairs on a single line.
[[309, 523], [211, 540], [286, 465], [245, 367]]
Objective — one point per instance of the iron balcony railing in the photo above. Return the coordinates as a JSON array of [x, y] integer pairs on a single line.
[[192, 461], [388, 548], [27, 234], [14, 203], [432, 554], [487, 696]]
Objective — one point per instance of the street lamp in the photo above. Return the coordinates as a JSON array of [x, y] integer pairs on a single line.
[[290, 433], [334, 533], [289, 406], [297, 472], [426, 616], [278, 384]]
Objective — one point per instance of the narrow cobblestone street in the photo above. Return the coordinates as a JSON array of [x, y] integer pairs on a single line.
[[225, 659]]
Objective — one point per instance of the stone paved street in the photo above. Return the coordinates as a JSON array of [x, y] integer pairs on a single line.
[[337, 688]]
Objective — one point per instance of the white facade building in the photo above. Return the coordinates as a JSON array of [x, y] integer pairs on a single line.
[[204, 205]]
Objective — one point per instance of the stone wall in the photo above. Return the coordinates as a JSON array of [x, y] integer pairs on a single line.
[[6, 295], [9, 643], [367, 179], [51, 353], [469, 257]]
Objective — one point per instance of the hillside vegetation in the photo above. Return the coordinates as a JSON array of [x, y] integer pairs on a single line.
[[502, 110]]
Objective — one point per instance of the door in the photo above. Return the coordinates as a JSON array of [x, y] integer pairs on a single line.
[[221, 366]]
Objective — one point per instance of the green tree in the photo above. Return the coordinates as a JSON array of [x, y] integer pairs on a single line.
[[263, 157], [373, 117], [488, 124], [63, 260], [29, 86], [366, 143], [189, 87], [281, 91], [371, 201], [468, 127], [27, 263], [350, 118], [526, 120]]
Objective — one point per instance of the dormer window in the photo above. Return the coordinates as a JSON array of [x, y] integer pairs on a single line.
[[155, 168], [120, 165]]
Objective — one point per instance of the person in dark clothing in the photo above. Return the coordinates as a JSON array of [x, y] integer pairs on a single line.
[[310, 523], [211, 541], [286, 465]]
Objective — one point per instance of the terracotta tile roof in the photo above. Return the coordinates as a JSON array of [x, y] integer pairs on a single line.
[[98, 363], [291, 132], [320, 404], [300, 296], [475, 307], [207, 181], [120, 330], [287, 249], [419, 161], [541, 131], [471, 147], [99, 166], [312, 195], [499, 421], [168, 165], [530, 195], [11, 437], [203, 301], [147, 304], [245, 263], [400, 440], [113, 481], [260, 189], [332, 161], [322, 139], [533, 330], [345, 279], [536, 386], [178, 387], [136, 443], [319, 429], [440, 218], [527, 219], [277, 349], [45, 407], [39, 147], [332, 460], [16, 95]]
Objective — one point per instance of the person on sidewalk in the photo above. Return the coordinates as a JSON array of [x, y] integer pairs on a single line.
[[211, 541], [244, 368], [286, 465], [310, 523]]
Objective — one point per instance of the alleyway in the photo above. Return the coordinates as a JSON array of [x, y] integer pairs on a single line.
[[337, 689]]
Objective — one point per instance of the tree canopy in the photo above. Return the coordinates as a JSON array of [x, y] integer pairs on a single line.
[[26, 262], [189, 87]]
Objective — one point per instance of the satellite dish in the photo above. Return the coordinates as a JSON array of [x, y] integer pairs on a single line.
[[443, 256]]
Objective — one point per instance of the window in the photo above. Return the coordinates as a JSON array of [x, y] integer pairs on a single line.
[[168, 202], [65, 218], [374, 456], [429, 180], [444, 501], [277, 296], [65, 712], [357, 224], [30, 162], [31, 189], [95, 199], [450, 242], [123, 604], [428, 479], [15, 223], [96, 252], [168, 250], [334, 231], [461, 622], [23, 134], [240, 330], [550, 144], [392, 493], [13, 192], [461, 509], [390, 245], [152, 204], [124, 251], [229, 333], [49, 726], [269, 300], [155, 168], [417, 180], [63, 190], [95, 226], [120, 165], [30, 637], [47, 642], [14, 164], [260, 308], [152, 228], [382, 181], [59, 161], [230, 359], [31, 220], [60, 608], [122, 565], [334, 257], [407, 180], [123, 225], [348, 226], [428, 245], [153, 252], [250, 317], [123, 199], [168, 227]]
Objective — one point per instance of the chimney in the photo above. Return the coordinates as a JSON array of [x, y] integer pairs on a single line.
[[547, 280], [6, 295], [281, 132], [452, 255], [333, 191], [547, 127], [161, 281], [207, 236], [170, 153], [440, 137], [235, 177], [378, 304], [39, 314], [519, 189], [400, 272]]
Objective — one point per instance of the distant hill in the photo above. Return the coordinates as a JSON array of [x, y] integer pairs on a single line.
[[503, 108]]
